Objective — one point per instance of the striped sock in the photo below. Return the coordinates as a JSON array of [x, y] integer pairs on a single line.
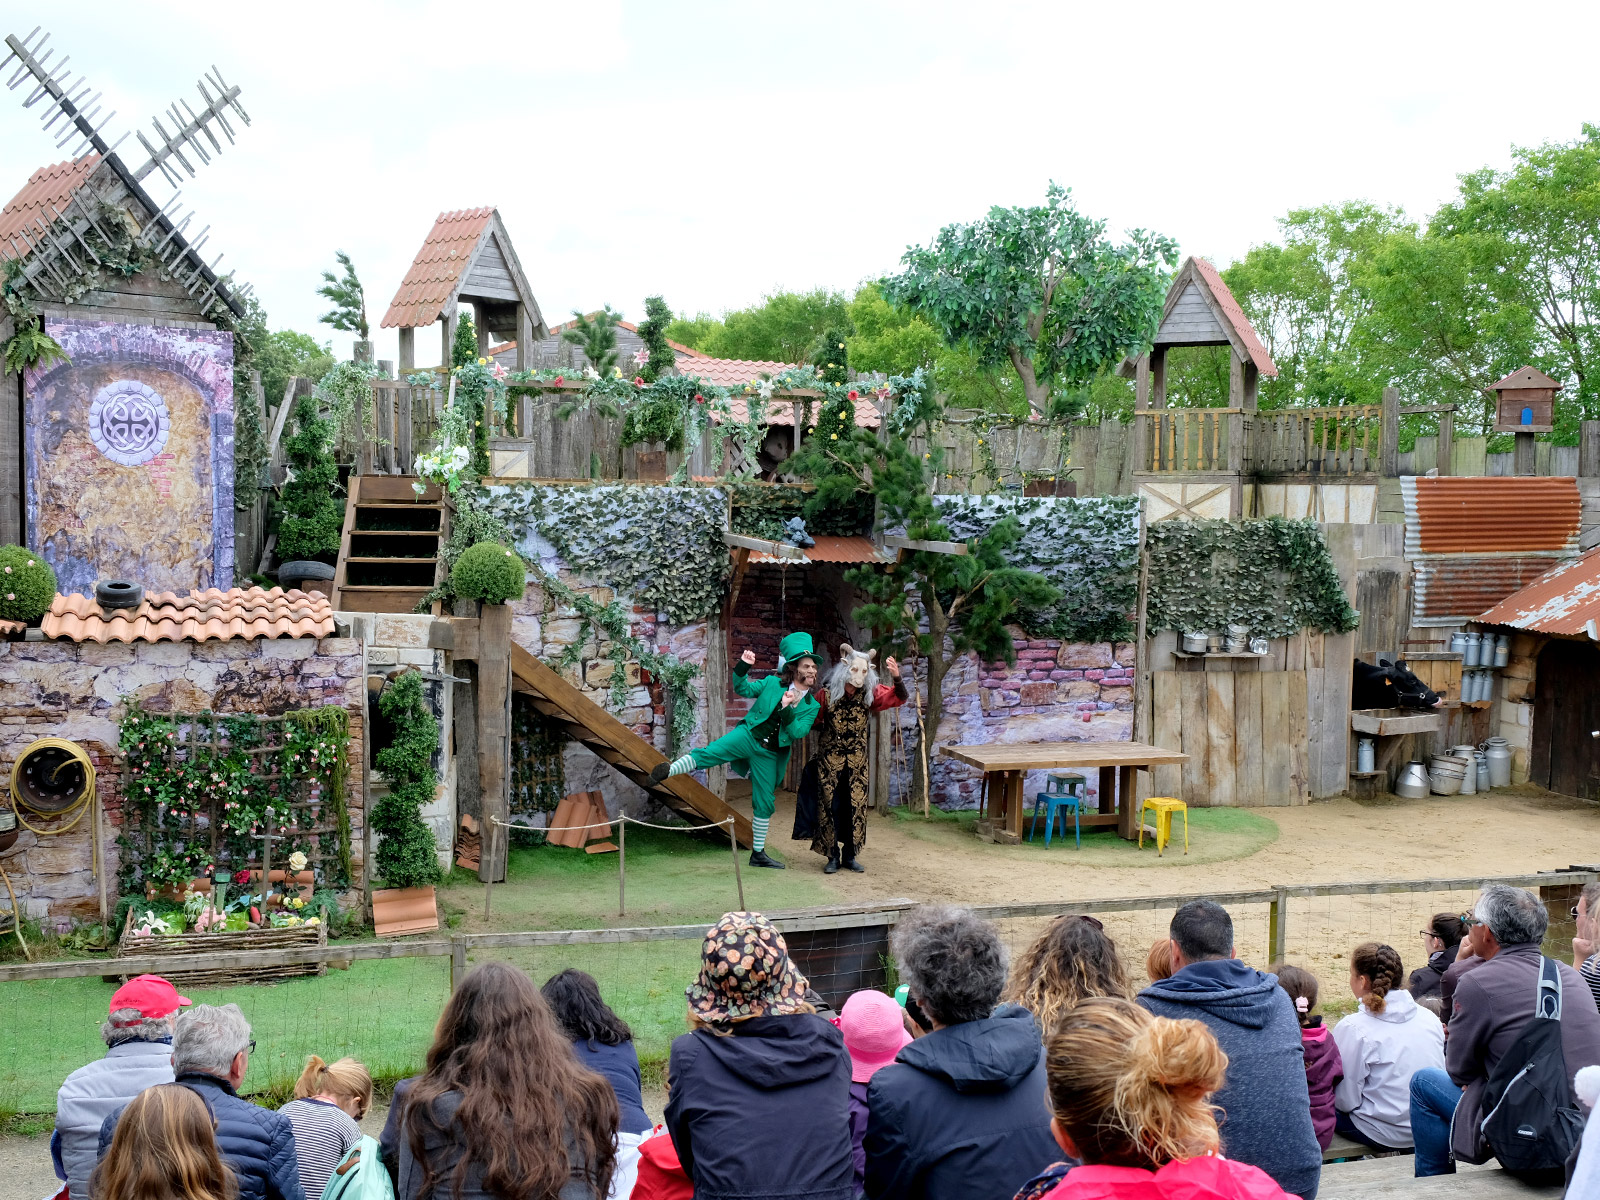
[[682, 766], [759, 842]]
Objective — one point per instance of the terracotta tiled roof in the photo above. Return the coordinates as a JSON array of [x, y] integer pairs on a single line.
[[47, 187], [1476, 515], [437, 268], [1235, 316], [833, 549], [11, 629], [1565, 600], [1525, 377], [212, 615]]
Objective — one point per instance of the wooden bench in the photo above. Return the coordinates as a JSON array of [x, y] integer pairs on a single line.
[[1392, 1179], [1342, 1149]]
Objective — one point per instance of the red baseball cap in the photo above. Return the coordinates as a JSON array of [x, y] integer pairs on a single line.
[[152, 995]]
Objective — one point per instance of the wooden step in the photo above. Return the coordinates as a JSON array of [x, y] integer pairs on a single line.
[[380, 599], [427, 533], [396, 559], [419, 506]]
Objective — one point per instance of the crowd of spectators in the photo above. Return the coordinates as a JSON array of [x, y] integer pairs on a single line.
[[1050, 1076]]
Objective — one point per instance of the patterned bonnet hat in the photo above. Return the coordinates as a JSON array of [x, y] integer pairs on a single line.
[[746, 971]]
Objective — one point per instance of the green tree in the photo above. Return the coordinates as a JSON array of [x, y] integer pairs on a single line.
[[407, 856], [653, 332], [464, 350], [831, 355], [311, 519], [349, 311], [596, 336], [784, 327], [285, 354], [1040, 288], [939, 606], [694, 332]]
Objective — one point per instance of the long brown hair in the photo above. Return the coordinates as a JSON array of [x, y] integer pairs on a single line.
[[1383, 969], [1130, 1089], [1071, 960], [1300, 984], [524, 1097], [165, 1148]]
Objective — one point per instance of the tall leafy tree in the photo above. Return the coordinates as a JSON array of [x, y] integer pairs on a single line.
[[285, 354], [694, 332], [784, 327], [653, 332], [596, 336], [349, 301], [1040, 288], [831, 356], [464, 349]]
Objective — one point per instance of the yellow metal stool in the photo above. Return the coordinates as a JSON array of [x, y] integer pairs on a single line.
[[1165, 806]]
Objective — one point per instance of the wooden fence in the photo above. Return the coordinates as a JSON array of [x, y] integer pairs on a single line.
[[1246, 735]]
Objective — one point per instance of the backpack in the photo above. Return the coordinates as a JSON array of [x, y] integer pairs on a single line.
[[1533, 1123], [361, 1176]]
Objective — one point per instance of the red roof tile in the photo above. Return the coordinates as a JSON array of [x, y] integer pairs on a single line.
[[212, 615], [47, 188], [832, 549], [1483, 514], [437, 268], [1235, 315], [1565, 600], [11, 629]]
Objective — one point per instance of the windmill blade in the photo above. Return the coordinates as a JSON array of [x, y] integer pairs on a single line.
[[188, 132]]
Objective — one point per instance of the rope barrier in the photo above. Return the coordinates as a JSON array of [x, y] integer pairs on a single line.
[[617, 820]]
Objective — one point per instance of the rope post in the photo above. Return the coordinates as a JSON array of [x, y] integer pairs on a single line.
[[486, 847], [622, 865], [733, 844]]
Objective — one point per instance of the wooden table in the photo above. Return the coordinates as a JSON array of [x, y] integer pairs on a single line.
[[1005, 768]]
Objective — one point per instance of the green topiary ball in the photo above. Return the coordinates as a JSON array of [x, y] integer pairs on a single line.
[[27, 584], [488, 572]]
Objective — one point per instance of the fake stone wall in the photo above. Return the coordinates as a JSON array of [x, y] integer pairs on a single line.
[[75, 690]]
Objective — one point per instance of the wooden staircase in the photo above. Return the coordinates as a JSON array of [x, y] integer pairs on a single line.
[[586, 722], [392, 551]]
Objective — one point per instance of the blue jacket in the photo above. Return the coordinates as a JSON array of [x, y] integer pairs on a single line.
[[92, 1093], [1266, 1105], [256, 1142], [620, 1067], [961, 1113], [764, 1112]]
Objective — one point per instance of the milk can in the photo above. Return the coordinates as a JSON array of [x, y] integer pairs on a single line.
[[1499, 755], [1502, 650], [1471, 651], [1366, 755], [1482, 760], [1469, 781], [1458, 642]]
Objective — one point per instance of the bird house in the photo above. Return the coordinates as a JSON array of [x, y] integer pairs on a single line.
[[1526, 402]]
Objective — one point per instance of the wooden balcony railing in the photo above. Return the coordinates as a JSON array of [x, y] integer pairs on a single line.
[[1320, 441], [1190, 439]]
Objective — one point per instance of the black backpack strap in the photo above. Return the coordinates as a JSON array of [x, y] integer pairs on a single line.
[[1547, 1001]]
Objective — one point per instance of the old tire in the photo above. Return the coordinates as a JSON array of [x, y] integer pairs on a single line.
[[302, 572], [118, 593]]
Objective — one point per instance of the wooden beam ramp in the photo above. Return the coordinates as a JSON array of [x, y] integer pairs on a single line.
[[586, 722]]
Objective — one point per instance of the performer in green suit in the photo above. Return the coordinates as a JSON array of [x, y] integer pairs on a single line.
[[759, 748]]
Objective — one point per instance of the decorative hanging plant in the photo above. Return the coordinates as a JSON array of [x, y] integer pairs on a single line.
[[311, 519], [488, 572]]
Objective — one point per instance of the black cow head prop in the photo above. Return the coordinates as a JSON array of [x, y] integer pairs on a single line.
[[1389, 685]]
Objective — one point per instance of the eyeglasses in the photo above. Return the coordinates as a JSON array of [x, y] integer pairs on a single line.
[[251, 1048], [1469, 920], [1574, 913]]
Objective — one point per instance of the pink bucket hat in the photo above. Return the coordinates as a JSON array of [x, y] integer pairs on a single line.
[[874, 1032]]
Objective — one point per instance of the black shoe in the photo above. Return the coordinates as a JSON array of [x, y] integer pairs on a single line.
[[660, 771], [851, 864], [760, 858], [831, 865]]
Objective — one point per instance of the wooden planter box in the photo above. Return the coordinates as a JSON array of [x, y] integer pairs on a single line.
[[1386, 722], [179, 947]]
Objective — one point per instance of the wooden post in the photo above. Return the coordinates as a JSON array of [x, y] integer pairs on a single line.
[[738, 879], [1447, 430], [1390, 451], [11, 515], [1252, 380], [1278, 925], [622, 866], [458, 962], [716, 668], [1235, 379], [1141, 406], [99, 864], [1158, 377], [494, 731], [524, 361], [447, 336], [408, 350], [1143, 701], [481, 329], [1589, 449], [1526, 455]]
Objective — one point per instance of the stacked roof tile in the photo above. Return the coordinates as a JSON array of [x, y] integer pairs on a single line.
[[437, 269], [211, 615], [48, 189]]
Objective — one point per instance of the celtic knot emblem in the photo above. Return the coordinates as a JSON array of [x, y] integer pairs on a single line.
[[128, 422]]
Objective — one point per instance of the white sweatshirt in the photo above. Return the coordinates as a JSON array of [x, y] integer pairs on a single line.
[[1381, 1052]]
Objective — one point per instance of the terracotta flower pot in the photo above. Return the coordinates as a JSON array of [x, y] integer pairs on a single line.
[[399, 911], [170, 892]]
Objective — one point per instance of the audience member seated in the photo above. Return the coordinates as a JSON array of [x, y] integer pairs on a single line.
[[1585, 1181], [874, 1030], [164, 1149], [603, 1043], [1158, 963], [760, 1098], [1387, 1040], [1072, 959], [1586, 944], [328, 1101], [1130, 1096], [961, 1113], [1467, 958], [211, 1050], [1493, 1002], [503, 1107], [1266, 1103], [1324, 1069], [661, 1176], [1441, 941], [138, 1038]]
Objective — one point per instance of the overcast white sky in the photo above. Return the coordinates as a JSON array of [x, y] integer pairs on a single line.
[[716, 151]]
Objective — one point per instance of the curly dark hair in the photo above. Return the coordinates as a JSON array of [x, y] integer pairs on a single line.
[[953, 961], [574, 998], [1070, 961]]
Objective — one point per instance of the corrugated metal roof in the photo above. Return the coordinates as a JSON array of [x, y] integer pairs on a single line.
[[1452, 591], [832, 549], [211, 615], [1525, 515], [47, 188], [1235, 315], [437, 269], [1525, 377], [1564, 600]]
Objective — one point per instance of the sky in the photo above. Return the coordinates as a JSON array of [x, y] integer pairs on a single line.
[[715, 152]]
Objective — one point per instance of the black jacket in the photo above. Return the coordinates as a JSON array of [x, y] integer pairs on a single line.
[[764, 1112], [1425, 980], [961, 1113], [256, 1142]]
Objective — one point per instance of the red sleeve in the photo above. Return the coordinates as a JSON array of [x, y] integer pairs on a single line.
[[888, 696]]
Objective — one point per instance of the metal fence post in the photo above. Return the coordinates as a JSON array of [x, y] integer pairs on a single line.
[[1278, 925]]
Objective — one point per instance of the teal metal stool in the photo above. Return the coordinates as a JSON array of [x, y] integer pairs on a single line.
[[1061, 792]]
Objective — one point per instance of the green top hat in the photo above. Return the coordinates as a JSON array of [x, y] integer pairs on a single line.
[[795, 647]]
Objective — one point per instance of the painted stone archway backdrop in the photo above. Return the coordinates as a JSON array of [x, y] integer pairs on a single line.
[[129, 451]]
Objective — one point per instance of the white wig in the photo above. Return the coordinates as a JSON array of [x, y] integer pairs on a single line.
[[840, 674]]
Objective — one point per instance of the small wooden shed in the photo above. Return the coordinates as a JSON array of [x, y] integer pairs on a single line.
[[1525, 402]]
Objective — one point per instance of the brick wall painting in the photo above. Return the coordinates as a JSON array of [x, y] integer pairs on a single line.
[[129, 456]]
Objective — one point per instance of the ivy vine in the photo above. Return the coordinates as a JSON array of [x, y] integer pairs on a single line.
[[762, 510], [1273, 575]]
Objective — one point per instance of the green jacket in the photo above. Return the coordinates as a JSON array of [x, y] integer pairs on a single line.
[[767, 692]]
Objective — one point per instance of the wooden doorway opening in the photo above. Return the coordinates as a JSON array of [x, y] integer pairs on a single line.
[[1566, 715]]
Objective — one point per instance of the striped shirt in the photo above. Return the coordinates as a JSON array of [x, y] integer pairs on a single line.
[[1590, 970], [323, 1135]]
